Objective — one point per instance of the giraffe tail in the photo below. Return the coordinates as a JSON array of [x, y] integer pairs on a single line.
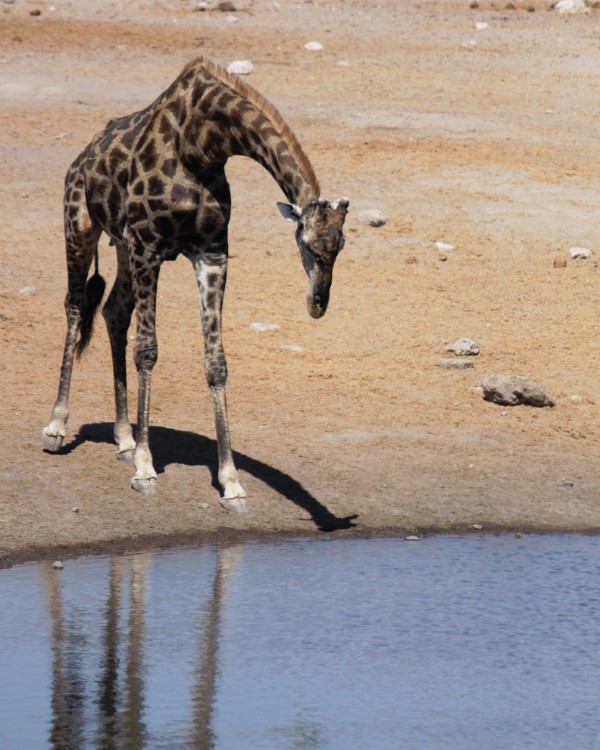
[[94, 291]]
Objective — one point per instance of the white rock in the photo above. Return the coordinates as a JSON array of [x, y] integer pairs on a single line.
[[373, 217], [291, 348], [240, 67], [412, 538], [314, 46], [482, 25], [464, 348], [57, 565], [571, 6], [444, 247], [579, 253], [28, 291], [260, 327]]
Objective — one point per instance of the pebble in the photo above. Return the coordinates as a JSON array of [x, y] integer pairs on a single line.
[[512, 390], [28, 291], [444, 247], [464, 347], [571, 6], [291, 348], [412, 538], [579, 253], [57, 565], [260, 327], [454, 364], [314, 46], [477, 526], [75, 509], [227, 6], [373, 218], [560, 262], [566, 483], [240, 67], [482, 25]]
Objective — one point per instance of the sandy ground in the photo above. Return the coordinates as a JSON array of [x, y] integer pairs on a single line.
[[484, 138]]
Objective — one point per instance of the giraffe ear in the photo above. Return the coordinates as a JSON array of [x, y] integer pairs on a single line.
[[290, 211]]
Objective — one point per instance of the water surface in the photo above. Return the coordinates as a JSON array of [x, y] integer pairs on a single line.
[[448, 643]]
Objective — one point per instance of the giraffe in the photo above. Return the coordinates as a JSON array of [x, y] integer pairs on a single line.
[[154, 182]]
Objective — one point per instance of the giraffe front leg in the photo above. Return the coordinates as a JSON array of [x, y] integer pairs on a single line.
[[211, 273], [146, 353]]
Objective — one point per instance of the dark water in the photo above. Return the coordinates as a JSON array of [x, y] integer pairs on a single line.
[[446, 643]]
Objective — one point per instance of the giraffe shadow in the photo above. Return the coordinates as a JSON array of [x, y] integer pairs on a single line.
[[171, 446]]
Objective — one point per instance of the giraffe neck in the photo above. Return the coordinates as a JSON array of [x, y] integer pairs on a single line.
[[226, 117]]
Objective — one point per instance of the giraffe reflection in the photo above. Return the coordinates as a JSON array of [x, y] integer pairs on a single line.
[[107, 708]]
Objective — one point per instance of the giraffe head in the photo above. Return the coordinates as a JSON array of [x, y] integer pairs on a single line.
[[320, 238]]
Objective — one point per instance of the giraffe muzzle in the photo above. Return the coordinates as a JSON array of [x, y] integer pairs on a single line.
[[317, 301]]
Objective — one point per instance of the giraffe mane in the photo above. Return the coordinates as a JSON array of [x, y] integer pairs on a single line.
[[268, 110]]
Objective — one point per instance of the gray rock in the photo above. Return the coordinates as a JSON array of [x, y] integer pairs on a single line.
[[512, 390], [454, 364], [373, 218], [464, 348]]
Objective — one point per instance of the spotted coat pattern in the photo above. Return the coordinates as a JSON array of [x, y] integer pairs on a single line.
[[154, 182]]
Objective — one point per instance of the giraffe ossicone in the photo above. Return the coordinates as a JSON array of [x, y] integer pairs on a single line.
[[154, 182]]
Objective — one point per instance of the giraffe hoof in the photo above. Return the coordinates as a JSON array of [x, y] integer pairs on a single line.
[[234, 504], [52, 443], [146, 486], [126, 456]]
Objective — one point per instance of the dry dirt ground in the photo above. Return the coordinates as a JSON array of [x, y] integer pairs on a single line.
[[484, 138]]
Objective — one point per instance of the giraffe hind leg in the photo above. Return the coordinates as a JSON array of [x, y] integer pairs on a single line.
[[117, 316], [81, 236]]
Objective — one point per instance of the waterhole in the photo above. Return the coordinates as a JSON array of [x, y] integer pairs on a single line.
[[453, 643]]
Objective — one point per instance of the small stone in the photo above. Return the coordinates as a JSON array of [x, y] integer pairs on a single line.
[[464, 347], [560, 262], [35, 12], [512, 390], [313, 46], [28, 291], [454, 364], [518, 535], [571, 6], [412, 538], [579, 253], [481, 26], [575, 398], [260, 327], [240, 67], [444, 247], [477, 526], [57, 565], [291, 348], [373, 218], [61, 136], [227, 6], [566, 483], [75, 509]]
